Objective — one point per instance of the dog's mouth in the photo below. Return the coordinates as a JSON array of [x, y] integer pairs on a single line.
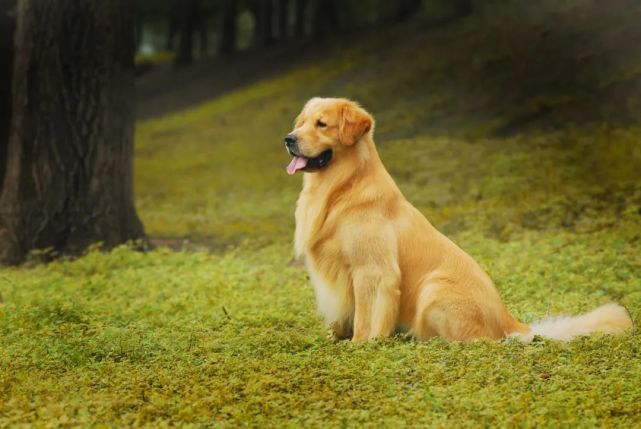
[[303, 163]]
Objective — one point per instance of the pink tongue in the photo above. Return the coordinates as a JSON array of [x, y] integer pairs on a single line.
[[298, 163]]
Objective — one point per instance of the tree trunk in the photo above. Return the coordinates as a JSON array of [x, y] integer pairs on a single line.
[[70, 155], [7, 25], [189, 14], [263, 13], [228, 27], [140, 30], [172, 24], [325, 19], [203, 37], [405, 9], [464, 7], [269, 21], [300, 18], [283, 18]]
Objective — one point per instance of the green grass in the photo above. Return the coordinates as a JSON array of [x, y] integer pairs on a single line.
[[223, 333], [155, 58]]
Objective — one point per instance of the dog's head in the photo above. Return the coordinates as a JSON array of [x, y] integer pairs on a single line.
[[326, 128]]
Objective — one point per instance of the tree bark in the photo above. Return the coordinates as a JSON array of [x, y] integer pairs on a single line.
[[300, 18], [325, 19], [228, 28], [267, 18], [139, 32], [263, 11], [405, 9], [70, 156], [172, 24], [7, 25], [203, 37], [465, 7], [190, 15], [283, 18]]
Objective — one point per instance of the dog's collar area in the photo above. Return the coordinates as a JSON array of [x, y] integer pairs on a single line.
[[321, 161]]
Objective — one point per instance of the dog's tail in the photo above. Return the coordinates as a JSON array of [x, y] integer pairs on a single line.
[[606, 319]]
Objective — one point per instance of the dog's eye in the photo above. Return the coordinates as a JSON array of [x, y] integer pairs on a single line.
[[320, 124]]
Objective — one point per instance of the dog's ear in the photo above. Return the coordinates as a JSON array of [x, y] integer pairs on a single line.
[[354, 123]]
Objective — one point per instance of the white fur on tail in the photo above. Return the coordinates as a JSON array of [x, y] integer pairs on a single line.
[[607, 319]]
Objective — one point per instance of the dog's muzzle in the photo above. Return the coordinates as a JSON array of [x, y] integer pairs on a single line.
[[302, 162]]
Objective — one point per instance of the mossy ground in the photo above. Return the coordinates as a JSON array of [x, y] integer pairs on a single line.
[[223, 332]]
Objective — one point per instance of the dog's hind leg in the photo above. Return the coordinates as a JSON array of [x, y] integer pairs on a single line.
[[442, 311]]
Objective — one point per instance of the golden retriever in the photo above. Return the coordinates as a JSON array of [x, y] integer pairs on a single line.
[[377, 265]]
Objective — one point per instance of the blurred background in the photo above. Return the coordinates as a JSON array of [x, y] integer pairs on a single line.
[[526, 111], [497, 116]]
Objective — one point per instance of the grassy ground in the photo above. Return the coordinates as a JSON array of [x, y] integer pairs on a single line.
[[222, 331]]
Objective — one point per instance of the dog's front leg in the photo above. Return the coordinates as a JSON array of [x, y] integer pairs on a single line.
[[376, 299]]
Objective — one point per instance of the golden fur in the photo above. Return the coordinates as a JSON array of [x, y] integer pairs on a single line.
[[377, 265]]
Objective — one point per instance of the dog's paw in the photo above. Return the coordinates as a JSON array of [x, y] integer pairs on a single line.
[[332, 336]]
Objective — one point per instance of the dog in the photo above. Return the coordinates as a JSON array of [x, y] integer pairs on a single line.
[[377, 265]]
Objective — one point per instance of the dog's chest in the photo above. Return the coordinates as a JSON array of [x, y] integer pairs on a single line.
[[330, 276], [309, 223], [331, 279]]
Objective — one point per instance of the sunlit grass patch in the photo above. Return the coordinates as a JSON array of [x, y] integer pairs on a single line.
[[154, 58], [231, 339]]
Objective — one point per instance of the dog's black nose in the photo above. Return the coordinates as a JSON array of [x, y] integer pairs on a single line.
[[290, 140]]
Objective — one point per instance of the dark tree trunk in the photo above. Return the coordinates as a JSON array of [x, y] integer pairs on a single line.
[[264, 14], [300, 18], [172, 25], [228, 27], [465, 7], [405, 9], [319, 29], [7, 25], [140, 29], [325, 19], [203, 37], [269, 21], [190, 13], [70, 156], [283, 18]]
